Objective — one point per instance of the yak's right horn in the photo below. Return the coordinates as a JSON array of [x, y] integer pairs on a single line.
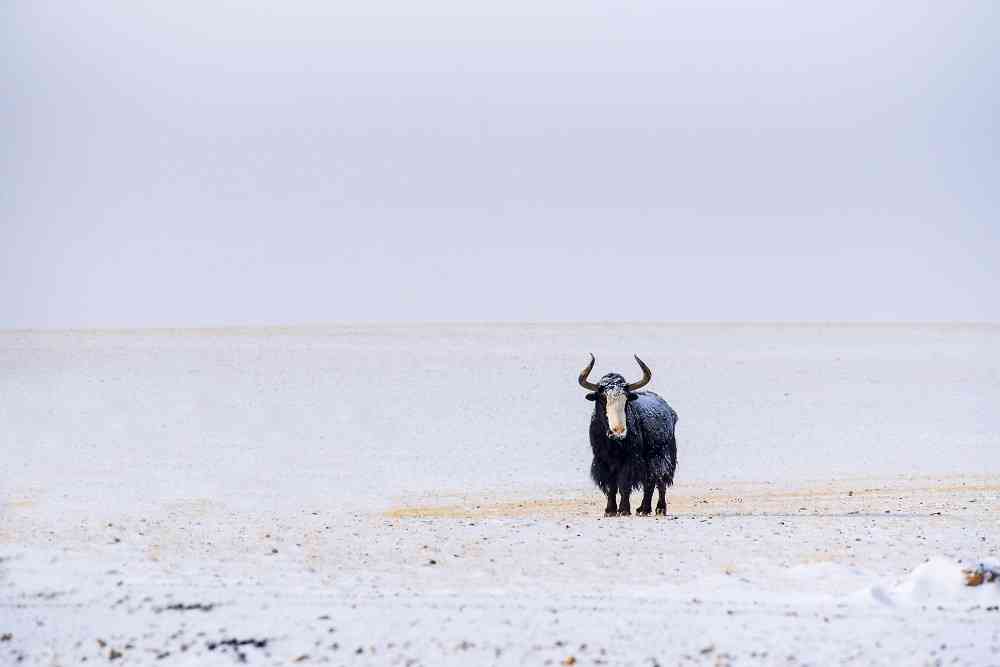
[[584, 382]]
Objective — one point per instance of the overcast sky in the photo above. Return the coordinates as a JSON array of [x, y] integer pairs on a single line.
[[193, 163]]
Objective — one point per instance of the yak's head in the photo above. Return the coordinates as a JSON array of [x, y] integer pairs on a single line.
[[611, 394]]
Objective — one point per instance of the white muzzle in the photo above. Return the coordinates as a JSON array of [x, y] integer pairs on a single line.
[[616, 400]]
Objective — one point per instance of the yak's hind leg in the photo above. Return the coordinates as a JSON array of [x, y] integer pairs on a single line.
[[661, 504], [647, 499]]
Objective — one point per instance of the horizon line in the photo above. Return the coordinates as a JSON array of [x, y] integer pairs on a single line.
[[314, 326]]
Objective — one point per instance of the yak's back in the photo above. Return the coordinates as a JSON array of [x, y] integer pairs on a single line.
[[657, 417]]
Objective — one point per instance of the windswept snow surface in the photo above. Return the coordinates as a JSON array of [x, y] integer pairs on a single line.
[[419, 495]]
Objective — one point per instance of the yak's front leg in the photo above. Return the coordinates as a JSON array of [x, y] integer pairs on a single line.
[[624, 490], [610, 509], [646, 508]]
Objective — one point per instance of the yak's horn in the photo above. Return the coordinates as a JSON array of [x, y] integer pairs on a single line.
[[647, 375], [586, 384]]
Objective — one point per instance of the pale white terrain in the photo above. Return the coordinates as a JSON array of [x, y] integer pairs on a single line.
[[419, 495]]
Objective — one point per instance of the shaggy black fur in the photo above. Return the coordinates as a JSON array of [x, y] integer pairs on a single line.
[[646, 457]]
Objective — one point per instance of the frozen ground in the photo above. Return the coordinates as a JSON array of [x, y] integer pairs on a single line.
[[419, 495]]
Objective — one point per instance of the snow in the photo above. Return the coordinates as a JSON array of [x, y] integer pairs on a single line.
[[833, 483], [938, 581]]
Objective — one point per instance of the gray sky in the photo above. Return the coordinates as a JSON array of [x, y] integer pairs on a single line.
[[192, 163]]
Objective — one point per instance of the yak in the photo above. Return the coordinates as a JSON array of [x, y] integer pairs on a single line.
[[633, 441]]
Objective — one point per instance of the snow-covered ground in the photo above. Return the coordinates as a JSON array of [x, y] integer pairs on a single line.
[[419, 495]]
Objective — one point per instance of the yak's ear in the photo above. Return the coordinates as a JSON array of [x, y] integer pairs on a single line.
[[632, 396], [592, 396]]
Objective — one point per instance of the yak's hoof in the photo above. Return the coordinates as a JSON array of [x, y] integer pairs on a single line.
[[661, 510], [643, 511], [625, 512], [610, 512]]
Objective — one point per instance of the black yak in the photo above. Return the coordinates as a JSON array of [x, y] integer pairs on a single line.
[[632, 437]]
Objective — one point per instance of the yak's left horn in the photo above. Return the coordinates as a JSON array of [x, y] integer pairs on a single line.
[[584, 382], [647, 375]]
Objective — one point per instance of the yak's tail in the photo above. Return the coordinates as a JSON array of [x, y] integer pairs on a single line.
[[671, 460]]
